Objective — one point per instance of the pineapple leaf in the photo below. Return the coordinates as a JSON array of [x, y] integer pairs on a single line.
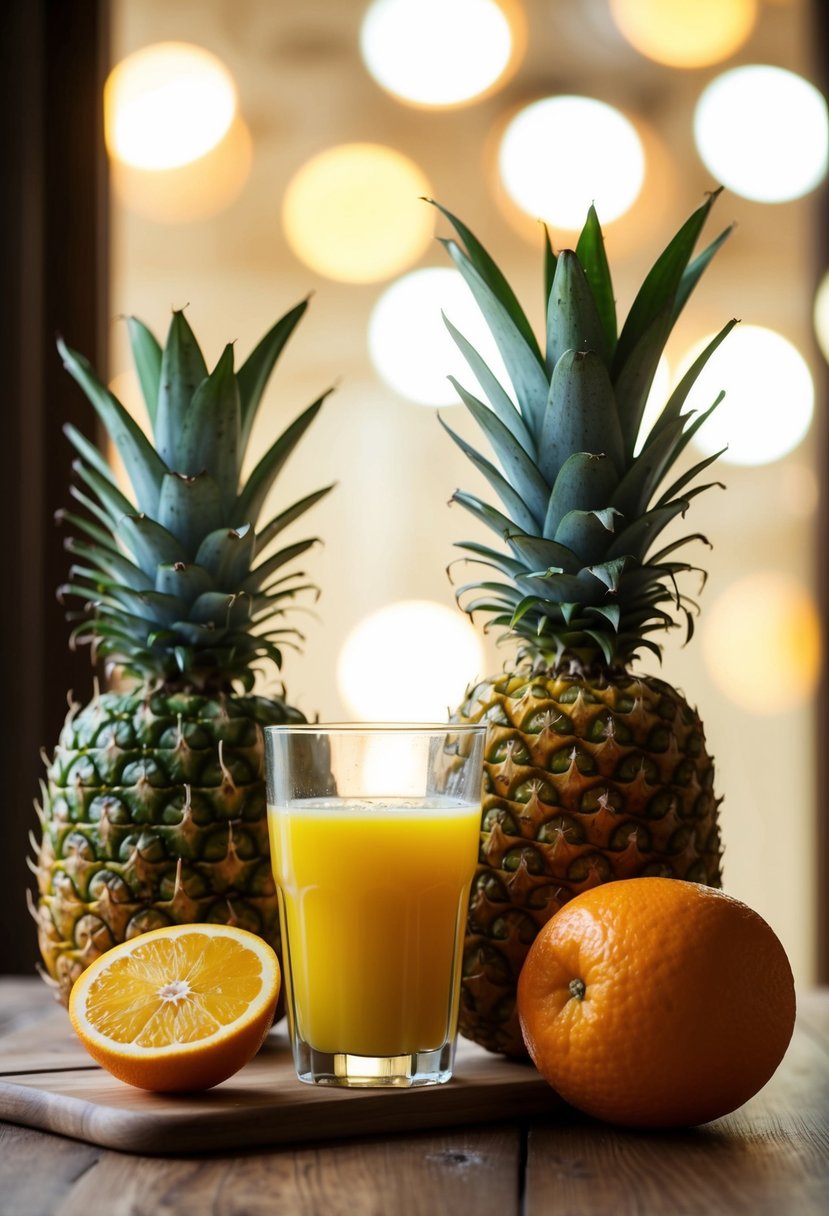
[[195, 635], [590, 251], [255, 372], [110, 562], [573, 321], [609, 572], [149, 543], [633, 382], [659, 291], [637, 538], [182, 371], [550, 261], [694, 425], [558, 587], [580, 415], [636, 488], [688, 476], [493, 519], [185, 581], [526, 604], [696, 269], [587, 533], [255, 490], [144, 466], [604, 643], [491, 557], [511, 499], [499, 399], [90, 453], [110, 497], [224, 610], [226, 554], [536, 552], [266, 568], [154, 607], [146, 354], [486, 269], [585, 482], [518, 468], [523, 361], [189, 507], [208, 437], [286, 517], [678, 397], [609, 612], [102, 536]]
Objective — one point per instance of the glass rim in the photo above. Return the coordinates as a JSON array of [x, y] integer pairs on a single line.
[[375, 728]]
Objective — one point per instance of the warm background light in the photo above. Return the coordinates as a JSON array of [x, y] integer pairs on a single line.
[[763, 622], [194, 191], [560, 154], [762, 132], [769, 396], [439, 52], [410, 346], [685, 33], [355, 213], [167, 104], [821, 316], [409, 661]]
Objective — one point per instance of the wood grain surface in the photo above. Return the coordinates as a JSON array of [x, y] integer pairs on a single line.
[[48, 1081], [771, 1156]]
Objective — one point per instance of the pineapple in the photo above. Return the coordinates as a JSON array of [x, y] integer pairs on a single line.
[[593, 772], [153, 808]]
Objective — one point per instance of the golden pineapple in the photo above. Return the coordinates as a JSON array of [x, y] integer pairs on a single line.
[[593, 772]]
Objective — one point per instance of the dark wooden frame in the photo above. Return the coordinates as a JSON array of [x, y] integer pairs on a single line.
[[820, 19], [53, 246]]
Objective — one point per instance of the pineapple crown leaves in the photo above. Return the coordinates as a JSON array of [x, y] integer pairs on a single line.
[[180, 584], [582, 503]]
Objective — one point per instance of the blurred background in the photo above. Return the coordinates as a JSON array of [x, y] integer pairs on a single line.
[[234, 157]]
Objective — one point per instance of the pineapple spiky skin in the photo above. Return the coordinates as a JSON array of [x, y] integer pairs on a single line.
[[587, 779], [154, 813]]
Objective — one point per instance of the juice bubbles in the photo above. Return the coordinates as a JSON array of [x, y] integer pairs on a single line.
[[373, 897]]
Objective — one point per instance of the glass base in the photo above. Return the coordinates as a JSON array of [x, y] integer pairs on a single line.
[[399, 1072]]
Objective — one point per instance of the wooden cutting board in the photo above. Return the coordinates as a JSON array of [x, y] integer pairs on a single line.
[[47, 1081]]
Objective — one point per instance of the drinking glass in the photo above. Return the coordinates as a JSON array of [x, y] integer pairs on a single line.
[[374, 834]]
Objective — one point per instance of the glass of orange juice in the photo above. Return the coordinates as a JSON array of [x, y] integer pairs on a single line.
[[374, 835]]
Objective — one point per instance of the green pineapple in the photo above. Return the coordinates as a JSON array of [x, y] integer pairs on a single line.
[[593, 772], [153, 809]]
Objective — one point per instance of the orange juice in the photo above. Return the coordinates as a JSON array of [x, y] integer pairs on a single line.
[[373, 896]]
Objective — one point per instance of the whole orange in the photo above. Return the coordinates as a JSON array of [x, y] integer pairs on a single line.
[[655, 1002]]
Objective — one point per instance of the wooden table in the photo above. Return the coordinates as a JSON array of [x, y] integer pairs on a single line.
[[772, 1156]]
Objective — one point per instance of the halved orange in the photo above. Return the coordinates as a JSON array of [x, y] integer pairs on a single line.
[[179, 1008]]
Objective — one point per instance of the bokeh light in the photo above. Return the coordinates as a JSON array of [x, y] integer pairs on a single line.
[[761, 616], [410, 661], [762, 132], [355, 213], [544, 168], [821, 316], [685, 33], [769, 396], [166, 105], [439, 53], [197, 190], [410, 346]]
